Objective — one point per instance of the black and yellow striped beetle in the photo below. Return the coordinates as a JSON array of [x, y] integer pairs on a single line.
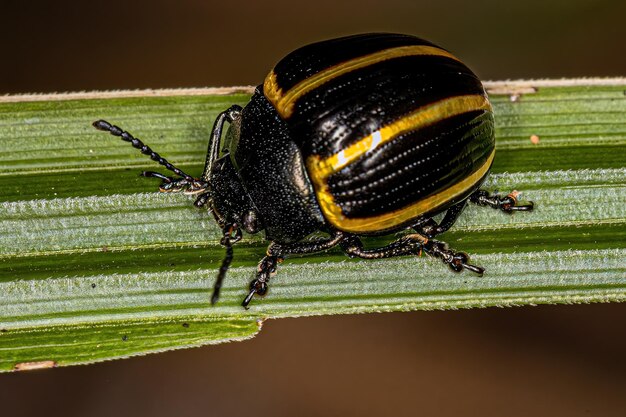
[[363, 135]]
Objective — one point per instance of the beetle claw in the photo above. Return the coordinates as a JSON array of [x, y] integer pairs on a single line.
[[248, 298], [476, 269], [523, 207], [257, 286], [457, 261]]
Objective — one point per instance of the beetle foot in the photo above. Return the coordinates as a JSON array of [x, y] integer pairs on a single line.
[[256, 287], [507, 204], [175, 185], [259, 285], [457, 261]]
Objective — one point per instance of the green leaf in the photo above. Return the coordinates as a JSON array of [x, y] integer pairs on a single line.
[[95, 264]]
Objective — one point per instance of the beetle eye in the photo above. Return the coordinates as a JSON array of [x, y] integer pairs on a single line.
[[251, 222]]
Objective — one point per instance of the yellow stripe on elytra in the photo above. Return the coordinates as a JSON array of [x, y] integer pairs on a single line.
[[284, 101], [422, 117], [332, 211]]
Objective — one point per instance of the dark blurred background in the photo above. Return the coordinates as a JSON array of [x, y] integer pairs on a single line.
[[71, 45], [546, 360]]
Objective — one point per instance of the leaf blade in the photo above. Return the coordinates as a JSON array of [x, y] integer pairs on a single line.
[[89, 254]]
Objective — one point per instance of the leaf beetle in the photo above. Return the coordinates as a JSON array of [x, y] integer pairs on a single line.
[[363, 135]]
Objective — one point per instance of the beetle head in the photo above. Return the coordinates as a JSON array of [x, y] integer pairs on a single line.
[[232, 208], [229, 201], [221, 190]]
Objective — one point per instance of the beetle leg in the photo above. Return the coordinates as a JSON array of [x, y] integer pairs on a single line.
[[412, 244], [202, 200], [457, 261], [507, 204], [277, 252], [353, 247], [431, 228], [215, 141]]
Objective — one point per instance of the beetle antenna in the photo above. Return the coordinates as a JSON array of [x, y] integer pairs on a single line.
[[227, 240], [228, 258], [145, 149]]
